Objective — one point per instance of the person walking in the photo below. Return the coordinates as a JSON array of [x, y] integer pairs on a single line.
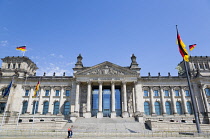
[[69, 132]]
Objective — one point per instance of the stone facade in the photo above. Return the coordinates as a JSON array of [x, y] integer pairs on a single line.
[[104, 90]]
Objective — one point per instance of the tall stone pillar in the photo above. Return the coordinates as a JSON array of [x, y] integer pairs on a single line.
[[40, 106], [113, 113], [100, 113], [184, 101], [61, 109], [162, 101], [173, 100], [125, 103], [30, 101], [88, 113], [152, 101], [139, 105], [51, 100], [76, 108]]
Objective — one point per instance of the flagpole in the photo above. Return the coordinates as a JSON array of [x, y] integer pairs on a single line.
[[192, 99], [2, 122], [35, 100]]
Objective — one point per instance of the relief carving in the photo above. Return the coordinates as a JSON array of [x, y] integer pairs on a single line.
[[106, 70]]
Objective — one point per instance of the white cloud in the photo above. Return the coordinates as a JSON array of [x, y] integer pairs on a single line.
[[52, 54], [61, 56], [3, 43]]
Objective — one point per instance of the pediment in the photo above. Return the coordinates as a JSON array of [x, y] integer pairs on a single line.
[[107, 69]]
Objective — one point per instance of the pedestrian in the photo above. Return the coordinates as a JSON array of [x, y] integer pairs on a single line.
[[69, 132]]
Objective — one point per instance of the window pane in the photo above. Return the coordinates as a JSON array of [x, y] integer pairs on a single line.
[[25, 106], [156, 93], [56, 108], [166, 93], [207, 91], [27, 93], [146, 93], [157, 108], [35, 107], [66, 108], [189, 108], [67, 93], [146, 108], [177, 93], [168, 108], [179, 107], [57, 93], [47, 92], [45, 107], [187, 93]]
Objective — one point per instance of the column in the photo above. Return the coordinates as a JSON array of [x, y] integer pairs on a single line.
[[100, 113], [162, 101], [125, 103], [50, 110], [76, 108], [113, 113], [137, 96], [205, 98], [152, 101], [61, 101], [40, 106], [173, 101], [30, 105], [134, 99], [88, 113], [184, 101]]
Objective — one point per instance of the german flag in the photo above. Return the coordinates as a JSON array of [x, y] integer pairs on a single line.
[[36, 90], [21, 48], [192, 46], [182, 49]]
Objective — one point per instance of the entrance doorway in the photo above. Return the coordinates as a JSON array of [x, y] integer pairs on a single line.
[[106, 101]]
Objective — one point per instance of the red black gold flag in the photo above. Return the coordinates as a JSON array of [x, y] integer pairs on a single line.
[[192, 46], [36, 89], [21, 48], [182, 49]]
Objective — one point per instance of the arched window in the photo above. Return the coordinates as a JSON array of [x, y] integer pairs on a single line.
[[25, 106], [66, 109], [207, 91], [179, 107], [45, 107], [157, 108], [168, 108], [189, 108], [56, 108], [35, 107], [146, 108]]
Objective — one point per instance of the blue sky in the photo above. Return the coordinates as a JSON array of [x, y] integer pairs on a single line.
[[57, 31]]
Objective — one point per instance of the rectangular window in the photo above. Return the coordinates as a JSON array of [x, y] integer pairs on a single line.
[[156, 94], [27, 93], [166, 93], [146, 93], [187, 93], [47, 92], [67, 93], [177, 93], [13, 66], [201, 66], [57, 92]]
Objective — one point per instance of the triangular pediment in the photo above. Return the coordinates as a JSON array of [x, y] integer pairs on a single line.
[[107, 69]]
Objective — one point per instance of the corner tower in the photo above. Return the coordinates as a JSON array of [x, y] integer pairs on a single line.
[[19, 66]]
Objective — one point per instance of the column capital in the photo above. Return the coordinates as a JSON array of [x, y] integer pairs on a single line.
[[124, 82], [89, 82], [78, 82], [100, 82], [202, 86], [112, 82]]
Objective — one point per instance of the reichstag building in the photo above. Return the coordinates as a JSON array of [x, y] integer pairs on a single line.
[[105, 90]]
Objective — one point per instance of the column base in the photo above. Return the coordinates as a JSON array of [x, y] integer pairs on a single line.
[[125, 114], [87, 115], [75, 114], [113, 114], [99, 115]]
